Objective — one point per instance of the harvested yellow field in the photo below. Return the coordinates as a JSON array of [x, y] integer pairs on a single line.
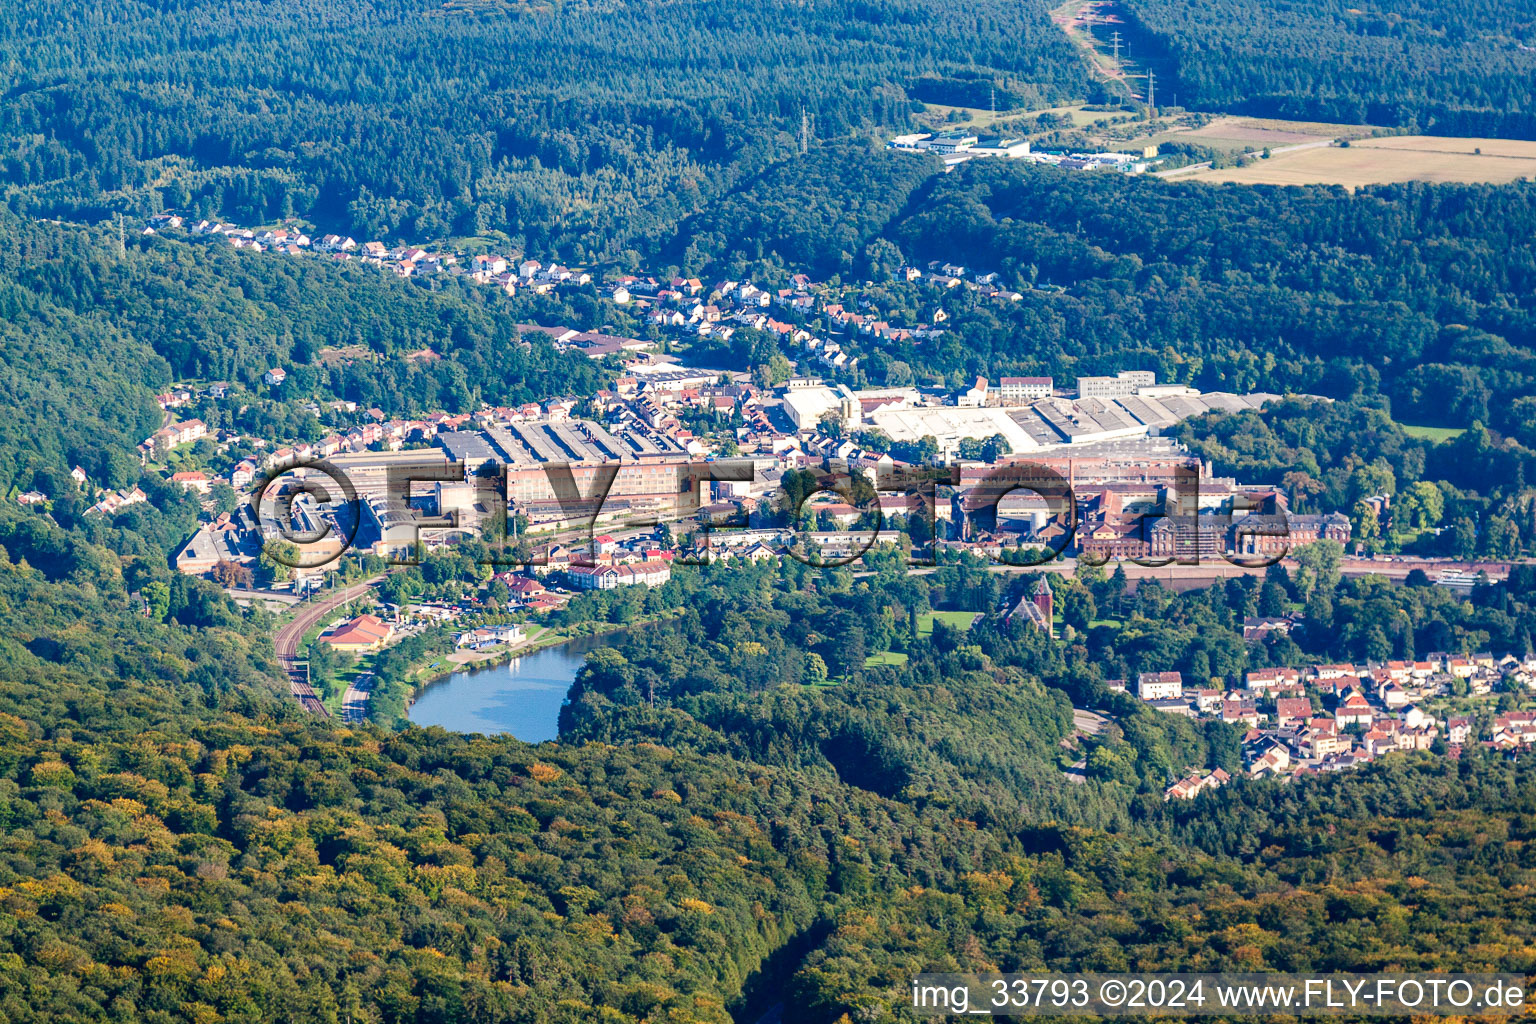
[[1387, 160], [1246, 134], [1255, 133]]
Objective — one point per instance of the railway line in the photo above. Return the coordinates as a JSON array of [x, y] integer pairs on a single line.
[[287, 642]]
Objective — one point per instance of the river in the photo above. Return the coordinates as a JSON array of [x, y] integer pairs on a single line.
[[521, 696]]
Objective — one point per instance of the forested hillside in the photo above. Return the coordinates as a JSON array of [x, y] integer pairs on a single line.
[[780, 790], [1241, 287], [582, 130], [1446, 69], [817, 212], [93, 331], [1422, 293], [181, 843]]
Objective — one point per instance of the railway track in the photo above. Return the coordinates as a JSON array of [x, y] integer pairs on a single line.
[[287, 643]]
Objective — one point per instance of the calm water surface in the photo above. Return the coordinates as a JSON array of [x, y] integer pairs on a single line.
[[522, 696]]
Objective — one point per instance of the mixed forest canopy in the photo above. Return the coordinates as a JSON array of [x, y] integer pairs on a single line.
[[711, 838], [93, 331], [780, 791]]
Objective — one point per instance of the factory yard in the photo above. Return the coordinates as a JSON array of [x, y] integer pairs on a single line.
[[1387, 160], [1049, 424]]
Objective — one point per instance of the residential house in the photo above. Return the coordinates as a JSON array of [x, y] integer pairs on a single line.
[[1355, 710], [1273, 761], [1244, 712], [195, 480], [1256, 627], [1159, 685], [1194, 784], [1320, 738], [1518, 728], [1458, 729], [1274, 680], [1291, 711], [364, 633]]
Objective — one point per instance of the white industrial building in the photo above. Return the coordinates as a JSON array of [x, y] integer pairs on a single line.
[[1126, 382], [806, 406]]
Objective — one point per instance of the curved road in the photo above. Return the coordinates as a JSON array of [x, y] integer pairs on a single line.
[[287, 641]]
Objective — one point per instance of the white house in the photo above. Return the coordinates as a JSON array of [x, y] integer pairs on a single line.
[[1160, 686]]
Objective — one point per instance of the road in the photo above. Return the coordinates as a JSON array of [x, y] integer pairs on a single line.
[[354, 704], [1090, 722], [1252, 155], [287, 641]]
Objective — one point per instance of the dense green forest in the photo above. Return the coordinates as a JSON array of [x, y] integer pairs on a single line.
[[1423, 292], [816, 212], [744, 809], [579, 129], [715, 835], [1445, 69]]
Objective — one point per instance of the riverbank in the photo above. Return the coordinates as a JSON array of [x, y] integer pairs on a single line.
[[521, 691], [441, 667]]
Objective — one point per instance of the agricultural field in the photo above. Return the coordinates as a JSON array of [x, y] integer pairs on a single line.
[[1238, 134], [1385, 160], [1233, 135], [1255, 133]]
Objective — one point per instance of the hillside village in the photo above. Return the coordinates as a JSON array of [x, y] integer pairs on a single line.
[[1134, 492], [682, 307], [1102, 434], [1335, 717]]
